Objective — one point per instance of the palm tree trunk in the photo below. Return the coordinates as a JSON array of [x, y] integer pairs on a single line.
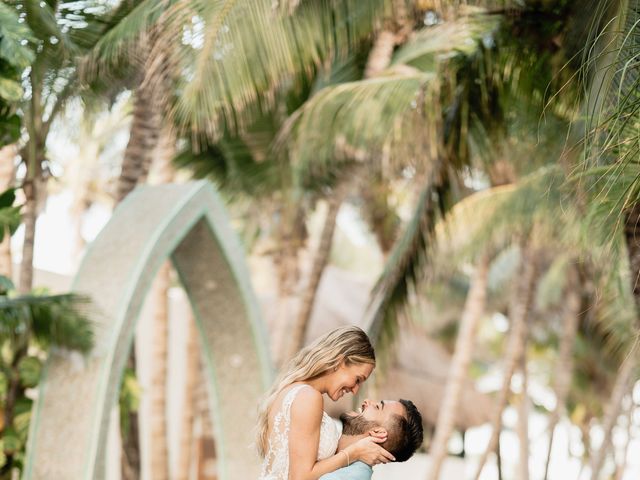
[[396, 33], [612, 410], [473, 311], [163, 171], [564, 365], [622, 466], [499, 459], [321, 260], [586, 444], [205, 455], [158, 440], [292, 232], [142, 143], [158, 449], [7, 174], [188, 412], [381, 53], [523, 420], [135, 168], [30, 187], [521, 304]]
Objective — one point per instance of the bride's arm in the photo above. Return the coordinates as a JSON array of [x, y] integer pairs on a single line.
[[304, 438]]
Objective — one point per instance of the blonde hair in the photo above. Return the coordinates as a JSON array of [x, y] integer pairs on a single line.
[[348, 344]]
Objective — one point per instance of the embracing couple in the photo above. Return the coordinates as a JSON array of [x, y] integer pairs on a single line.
[[297, 440]]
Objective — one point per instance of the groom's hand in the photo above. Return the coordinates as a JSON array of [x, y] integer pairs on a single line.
[[379, 433]]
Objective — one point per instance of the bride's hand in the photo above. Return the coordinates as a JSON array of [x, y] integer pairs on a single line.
[[368, 451]]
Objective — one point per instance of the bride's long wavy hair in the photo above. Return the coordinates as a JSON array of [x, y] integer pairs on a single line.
[[348, 344]]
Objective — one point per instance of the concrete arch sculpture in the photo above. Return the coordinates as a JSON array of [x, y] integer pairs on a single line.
[[188, 224]]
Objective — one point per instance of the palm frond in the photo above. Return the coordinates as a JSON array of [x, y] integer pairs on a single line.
[[397, 115], [56, 320], [430, 46], [614, 101], [232, 166], [493, 218], [362, 121], [404, 268], [613, 315], [611, 190], [119, 45], [235, 54]]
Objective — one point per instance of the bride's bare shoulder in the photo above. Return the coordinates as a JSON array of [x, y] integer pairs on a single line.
[[307, 406]]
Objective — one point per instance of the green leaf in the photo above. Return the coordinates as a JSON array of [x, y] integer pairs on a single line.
[[21, 424], [9, 127], [7, 198], [129, 399], [11, 441], [6, 285], [10, 90], [9, 220], [13, 36], [29, 370]]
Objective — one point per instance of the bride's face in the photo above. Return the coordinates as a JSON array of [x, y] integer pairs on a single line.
[[347, 378]]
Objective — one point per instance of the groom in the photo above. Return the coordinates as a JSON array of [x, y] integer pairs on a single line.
[[400, 419]]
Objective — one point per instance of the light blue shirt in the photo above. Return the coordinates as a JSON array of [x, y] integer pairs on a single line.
[[355, 471]]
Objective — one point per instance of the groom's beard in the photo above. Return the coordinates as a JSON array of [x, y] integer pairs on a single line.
[[354, 424]]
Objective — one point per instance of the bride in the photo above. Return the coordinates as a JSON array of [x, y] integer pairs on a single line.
[[296, 439]]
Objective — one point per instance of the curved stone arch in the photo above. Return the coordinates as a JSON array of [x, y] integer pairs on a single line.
[[187, 223]]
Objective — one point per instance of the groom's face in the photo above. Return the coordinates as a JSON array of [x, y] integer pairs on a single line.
[[381, 412], [371, 415]]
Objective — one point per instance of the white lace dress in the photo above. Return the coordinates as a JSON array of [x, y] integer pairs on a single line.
[[275, 465]]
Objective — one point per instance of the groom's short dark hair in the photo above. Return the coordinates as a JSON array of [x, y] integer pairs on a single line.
[[405, 433]]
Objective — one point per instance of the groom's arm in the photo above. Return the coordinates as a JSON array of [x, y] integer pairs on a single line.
[[355, 471]]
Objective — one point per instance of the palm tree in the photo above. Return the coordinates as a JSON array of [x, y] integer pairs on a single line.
[[442, 59], [522, 301], [378, 60], [321, 259], [564, 366], [469, 321], [192, 376], [612, 136], [59, 36], [611, 165], [523, 419], [620, 389], [160, 290]]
